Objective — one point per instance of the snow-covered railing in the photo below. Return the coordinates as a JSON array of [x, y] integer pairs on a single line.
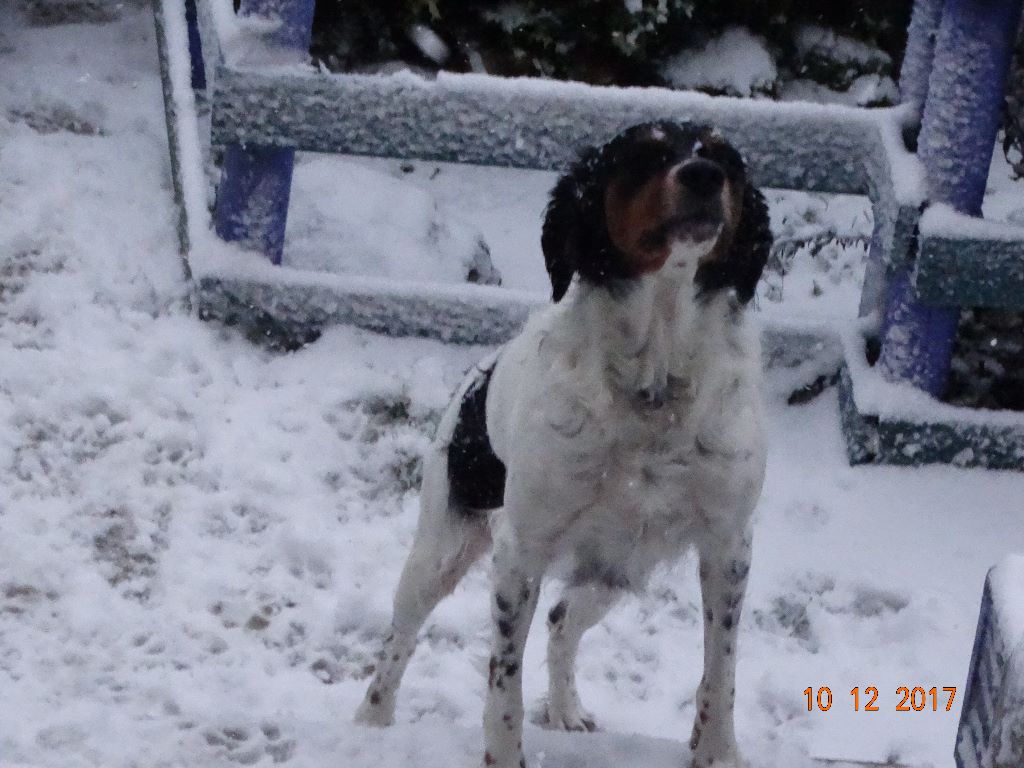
[[256, 101], [529, 122], [265, 103]]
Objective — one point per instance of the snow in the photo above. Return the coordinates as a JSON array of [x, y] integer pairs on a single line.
[[353, 219], [429, 43], [905, 169], [941, 220], [736, 62], [199, 539], [875, 395]]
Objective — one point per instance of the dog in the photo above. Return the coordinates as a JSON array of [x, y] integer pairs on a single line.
[[622, 427]]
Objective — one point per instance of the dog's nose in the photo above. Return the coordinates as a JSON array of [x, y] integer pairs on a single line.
[[701, 177]]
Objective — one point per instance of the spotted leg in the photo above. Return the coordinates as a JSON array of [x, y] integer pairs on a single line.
[[724, 564], [581, 607], [516, 585]]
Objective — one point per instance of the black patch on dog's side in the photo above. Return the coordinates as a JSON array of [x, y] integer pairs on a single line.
[[476, 475]]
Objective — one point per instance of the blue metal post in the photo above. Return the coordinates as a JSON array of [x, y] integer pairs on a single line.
[[255, 184], [195, 47], [961, 116]]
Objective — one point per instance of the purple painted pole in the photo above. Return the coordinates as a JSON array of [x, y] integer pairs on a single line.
[[195, 47], [958, 130], [255, 183]]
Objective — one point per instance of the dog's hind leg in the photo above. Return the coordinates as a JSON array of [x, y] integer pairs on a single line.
[[581, 607], [447, 542]]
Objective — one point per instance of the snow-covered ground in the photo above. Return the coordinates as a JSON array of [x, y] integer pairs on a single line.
[[199, 539]]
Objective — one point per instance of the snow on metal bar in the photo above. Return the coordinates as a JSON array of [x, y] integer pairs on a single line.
[[991, 733], [294, 305], [896, 188], [873, 439], [527, 122], [965, 261]]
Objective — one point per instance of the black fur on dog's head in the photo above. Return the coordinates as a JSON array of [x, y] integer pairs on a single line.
[[618, 211]]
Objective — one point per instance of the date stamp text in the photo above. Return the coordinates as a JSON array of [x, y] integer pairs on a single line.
[[907, 699]]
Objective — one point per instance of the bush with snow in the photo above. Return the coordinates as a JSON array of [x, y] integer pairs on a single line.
[[736, 63]]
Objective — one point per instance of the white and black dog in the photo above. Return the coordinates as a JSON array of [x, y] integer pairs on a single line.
[[620, 428]]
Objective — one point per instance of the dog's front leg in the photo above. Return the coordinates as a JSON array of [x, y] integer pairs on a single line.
[[516, 587], [724, 565]]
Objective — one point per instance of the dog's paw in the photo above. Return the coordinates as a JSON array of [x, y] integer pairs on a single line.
[[510, 761], [567, 718], [728, 760], [375, 713]]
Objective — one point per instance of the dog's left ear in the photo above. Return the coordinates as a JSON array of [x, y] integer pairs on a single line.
[[741, 266], [563, 231]]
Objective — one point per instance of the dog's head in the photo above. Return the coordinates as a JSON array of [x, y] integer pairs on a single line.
[[656, 190]]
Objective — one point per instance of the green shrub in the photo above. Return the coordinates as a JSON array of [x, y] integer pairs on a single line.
[[597, 41]]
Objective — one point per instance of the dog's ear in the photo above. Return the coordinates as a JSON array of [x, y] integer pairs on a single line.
[[751, 244], [741, 266], [563, 231]]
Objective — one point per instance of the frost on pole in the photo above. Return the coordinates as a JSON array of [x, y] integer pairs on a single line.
[[965, 98], [917, 58], [958, 131]]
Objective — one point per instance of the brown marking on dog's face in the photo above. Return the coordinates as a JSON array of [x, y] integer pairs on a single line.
[[667, 188], [635, 217]]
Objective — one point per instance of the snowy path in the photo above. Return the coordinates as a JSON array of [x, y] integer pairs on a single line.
[[199, 539]]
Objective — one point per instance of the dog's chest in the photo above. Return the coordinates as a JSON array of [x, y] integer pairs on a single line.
[[627, 457]]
